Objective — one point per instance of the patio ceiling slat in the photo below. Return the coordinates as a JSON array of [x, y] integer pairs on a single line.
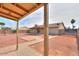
[[33, 9], [11, 11], [18, 10], [17, 5], [7, 17], [9, 14], [36, 4]]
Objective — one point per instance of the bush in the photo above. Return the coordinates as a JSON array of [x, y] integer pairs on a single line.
[[13, 31]]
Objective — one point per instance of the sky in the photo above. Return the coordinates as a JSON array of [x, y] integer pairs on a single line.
[[58, 12], [64, 12], [34, 18], [8, 22]]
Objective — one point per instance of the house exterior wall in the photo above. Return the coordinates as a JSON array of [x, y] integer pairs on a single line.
[[58, 29], [61, 29], [41, 31], [53, 31], [22, 31]]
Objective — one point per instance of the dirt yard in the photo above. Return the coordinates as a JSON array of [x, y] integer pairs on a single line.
[[8, 40], [63, 45]]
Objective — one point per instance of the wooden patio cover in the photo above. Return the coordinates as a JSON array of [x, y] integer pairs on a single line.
[[16, 11]]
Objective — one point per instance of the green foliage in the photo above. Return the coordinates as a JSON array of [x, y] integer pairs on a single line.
[[1, 23], [14, 31], [6, 28], [72, 21]]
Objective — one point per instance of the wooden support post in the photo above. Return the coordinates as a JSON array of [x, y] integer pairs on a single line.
[[77, 39], [17, 27], [46, 44]]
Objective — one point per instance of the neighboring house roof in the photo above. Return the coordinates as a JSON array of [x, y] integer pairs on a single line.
[[55, 25]]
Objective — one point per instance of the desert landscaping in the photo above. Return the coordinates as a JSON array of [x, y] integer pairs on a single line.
[[59, 45]]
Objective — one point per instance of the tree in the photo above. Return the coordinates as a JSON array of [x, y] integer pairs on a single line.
[[37, 28], [5, 29], [72, 22], [2, 24]]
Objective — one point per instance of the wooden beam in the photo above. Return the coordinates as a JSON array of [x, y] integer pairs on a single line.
[[11, 11], [46, 42], [32, 8], [35, 4], [9, 15], [17, 28], [29, 12], [17, 5], [0, 5], [38, 3]]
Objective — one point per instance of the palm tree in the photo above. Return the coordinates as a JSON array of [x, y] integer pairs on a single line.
[[72, 22]]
